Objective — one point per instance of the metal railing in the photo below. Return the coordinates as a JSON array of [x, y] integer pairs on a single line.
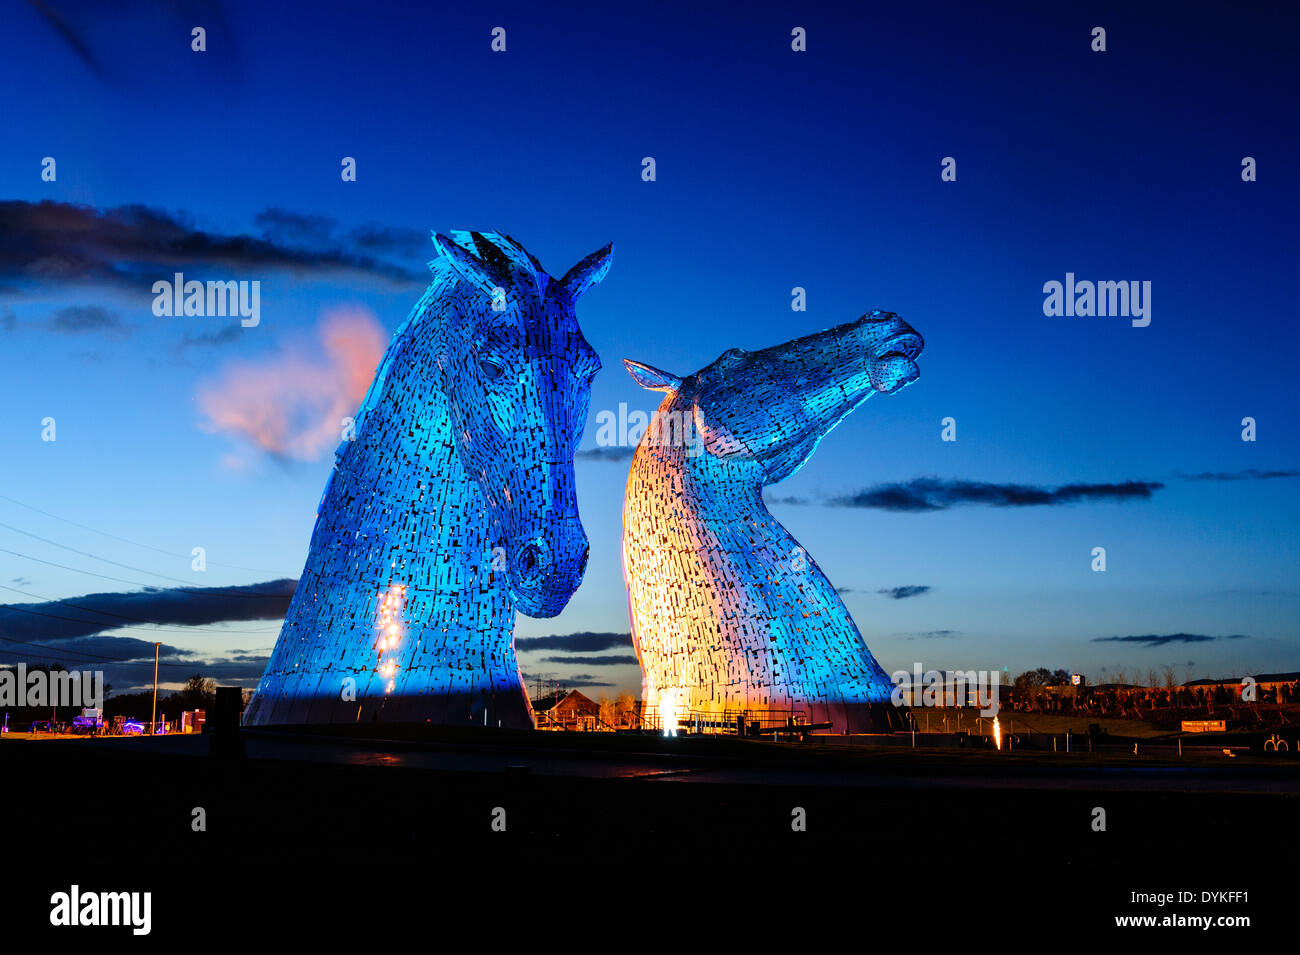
[[728, 722]]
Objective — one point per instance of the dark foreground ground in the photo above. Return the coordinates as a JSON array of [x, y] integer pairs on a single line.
[[318, 834]]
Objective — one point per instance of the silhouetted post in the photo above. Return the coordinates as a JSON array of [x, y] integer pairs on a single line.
[[224, 724]]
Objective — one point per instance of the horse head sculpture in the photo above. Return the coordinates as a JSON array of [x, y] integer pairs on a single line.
[[517, 375], [729, 615], [763, 413], [451, 506]]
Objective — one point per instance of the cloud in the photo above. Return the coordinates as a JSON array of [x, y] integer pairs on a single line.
[[935, 494], [112, 55], [792, 500], [129, 247], [287, 227], [1161, 639], [1250, 474], [70, 35], [174, 671], [585, 642], [223, 336], [76, 623], [292, 404], [618, 660], [129, 666], [935, 634], [584, 679], [606, 454], [283, 226], [92, 651], [902, 593], [84, 319], [565, 682], [387, 240]]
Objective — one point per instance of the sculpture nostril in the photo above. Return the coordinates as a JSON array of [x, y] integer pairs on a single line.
[[531, 564]]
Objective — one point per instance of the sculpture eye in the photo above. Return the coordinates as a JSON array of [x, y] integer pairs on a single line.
[[491, 368]]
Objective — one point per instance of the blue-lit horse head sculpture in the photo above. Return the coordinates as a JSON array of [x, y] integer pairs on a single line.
[[517, 374], [451, 506], [730, 615]]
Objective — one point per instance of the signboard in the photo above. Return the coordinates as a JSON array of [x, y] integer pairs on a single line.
[[1205, 726]]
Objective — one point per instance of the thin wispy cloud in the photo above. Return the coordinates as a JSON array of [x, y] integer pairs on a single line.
[[613, 660], [612, 455], [935, 494], [565, 683], [902, 593], [585, 679], [1164, 639], [226, 335], [87, 320], [1250, 474], [791, 499], [585, 642], [114, 56]]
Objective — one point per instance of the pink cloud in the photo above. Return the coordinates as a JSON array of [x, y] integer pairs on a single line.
[[293, 404]]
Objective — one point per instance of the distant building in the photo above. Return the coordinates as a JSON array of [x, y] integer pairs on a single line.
[[571, 711], [1274, 680], [1263, 680]]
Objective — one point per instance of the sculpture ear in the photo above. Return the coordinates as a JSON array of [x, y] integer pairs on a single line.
[[649, 377], [469, 267], [588, 272]]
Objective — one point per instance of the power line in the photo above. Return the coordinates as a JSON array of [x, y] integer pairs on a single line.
[[126, 540], [134, 583], [85, 656], [83, 553]]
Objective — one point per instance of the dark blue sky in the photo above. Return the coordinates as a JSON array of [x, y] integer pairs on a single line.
[[775, 169]]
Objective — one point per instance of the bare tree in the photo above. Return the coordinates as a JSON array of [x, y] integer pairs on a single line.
[[625, 709]]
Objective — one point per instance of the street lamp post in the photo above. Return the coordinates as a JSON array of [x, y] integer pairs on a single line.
[[153, 715]]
